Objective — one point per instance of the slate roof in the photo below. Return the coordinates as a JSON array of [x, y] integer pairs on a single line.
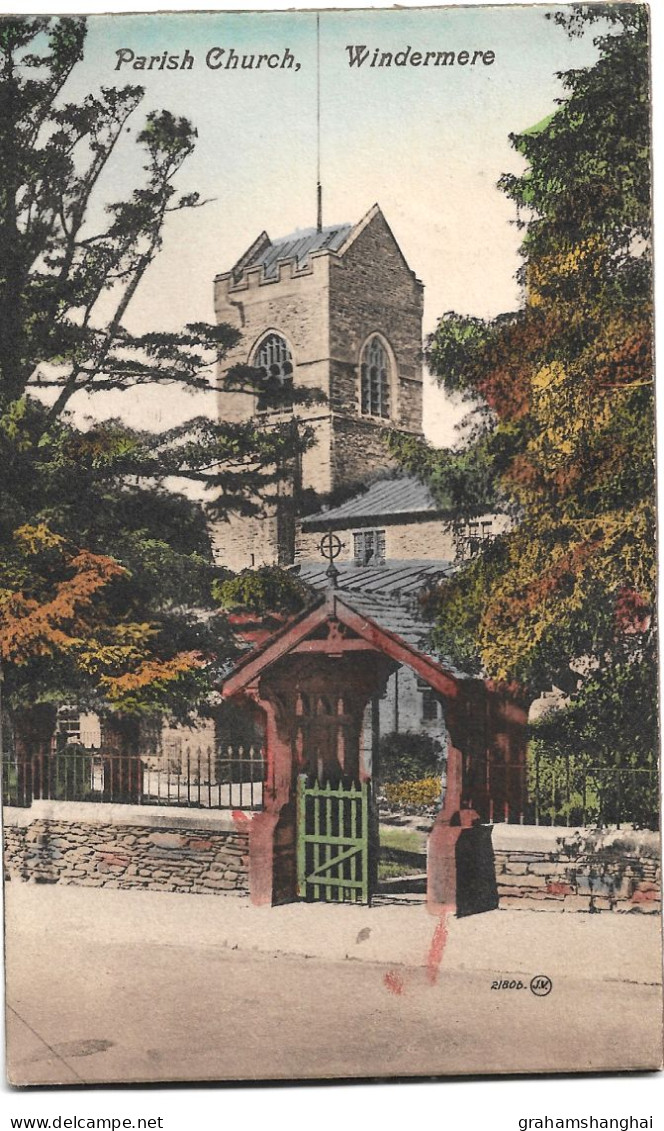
[[396, 618], [392, 579], [387, 594], [403, 622], [299, 246], [401, 495]]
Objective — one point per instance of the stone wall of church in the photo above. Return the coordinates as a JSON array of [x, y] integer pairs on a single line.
[[373, 290], [296, 305], [245, 542], [416, 540]]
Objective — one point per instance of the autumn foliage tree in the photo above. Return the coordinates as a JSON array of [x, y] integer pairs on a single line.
[[562, 408], [70, 628]]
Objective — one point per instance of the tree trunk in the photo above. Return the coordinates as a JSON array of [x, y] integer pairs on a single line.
[[123, 769], [33, 729]]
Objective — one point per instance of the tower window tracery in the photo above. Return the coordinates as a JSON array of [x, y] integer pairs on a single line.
[[375, 375], [274, 359]]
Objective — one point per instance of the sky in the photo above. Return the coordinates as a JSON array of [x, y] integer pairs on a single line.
[[427, 144]]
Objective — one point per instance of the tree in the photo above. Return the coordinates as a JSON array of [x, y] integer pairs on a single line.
[[156, 643], [71, 261], [68, 626], [565, 383], [561, 396], [267, 591], [67, 279]]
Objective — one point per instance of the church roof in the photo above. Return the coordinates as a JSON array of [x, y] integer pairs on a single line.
[[400, 495], [267, 253], [300, 245], [387, 579]]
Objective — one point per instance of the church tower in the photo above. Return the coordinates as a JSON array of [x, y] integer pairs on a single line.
[[338, 310]]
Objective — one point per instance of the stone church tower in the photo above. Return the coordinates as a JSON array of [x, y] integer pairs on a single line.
[[337, 310]]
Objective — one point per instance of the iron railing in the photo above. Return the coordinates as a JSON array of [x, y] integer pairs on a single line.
[[209, 778], [570, 791], [560, 791]]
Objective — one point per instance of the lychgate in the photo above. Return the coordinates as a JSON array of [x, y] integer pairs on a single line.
[[317, 836]]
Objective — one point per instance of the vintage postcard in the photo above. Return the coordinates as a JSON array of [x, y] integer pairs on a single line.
[[328, 565]]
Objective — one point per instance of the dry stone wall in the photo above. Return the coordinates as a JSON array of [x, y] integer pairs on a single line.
[[117, 853], [550, 870]]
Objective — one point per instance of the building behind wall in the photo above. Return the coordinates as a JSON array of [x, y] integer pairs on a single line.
[[397, 519]]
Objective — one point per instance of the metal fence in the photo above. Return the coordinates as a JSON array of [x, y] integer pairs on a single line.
[[228, 778], [569, 791], [560, 791]]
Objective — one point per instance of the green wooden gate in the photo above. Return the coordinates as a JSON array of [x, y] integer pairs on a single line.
[[333, 842]]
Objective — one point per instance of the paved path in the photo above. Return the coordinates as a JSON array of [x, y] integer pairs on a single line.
[[107, 985]]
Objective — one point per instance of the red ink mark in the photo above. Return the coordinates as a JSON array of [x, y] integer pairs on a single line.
[[557, 887], [240, 819], [393, 982], [643, 896], [436, 949]]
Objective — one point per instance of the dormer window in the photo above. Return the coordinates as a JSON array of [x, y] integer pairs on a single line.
[[274, 360], [473, 537], [375, 377], [369, 547]]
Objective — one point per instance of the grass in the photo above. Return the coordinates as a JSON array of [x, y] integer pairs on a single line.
[[393, 842], [392, 870], [408, 840]]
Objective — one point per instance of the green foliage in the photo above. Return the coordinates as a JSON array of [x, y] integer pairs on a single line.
[[406, 756], [401, 848], [600, 754], [589, 169], [418, 794], [70, 772], [263, 591], [565, 384], [563, 423]]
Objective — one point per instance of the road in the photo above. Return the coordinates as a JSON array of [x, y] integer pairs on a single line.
[[140, 1001]]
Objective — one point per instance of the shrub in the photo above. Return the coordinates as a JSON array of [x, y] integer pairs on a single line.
[[424, 792], [260, 591], [409, 756]]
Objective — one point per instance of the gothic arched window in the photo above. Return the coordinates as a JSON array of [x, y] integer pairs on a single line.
[[375, 379], [273, 358]]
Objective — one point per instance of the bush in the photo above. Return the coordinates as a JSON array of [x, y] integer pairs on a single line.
[[409, 757], [424, 792], [263, 591]]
